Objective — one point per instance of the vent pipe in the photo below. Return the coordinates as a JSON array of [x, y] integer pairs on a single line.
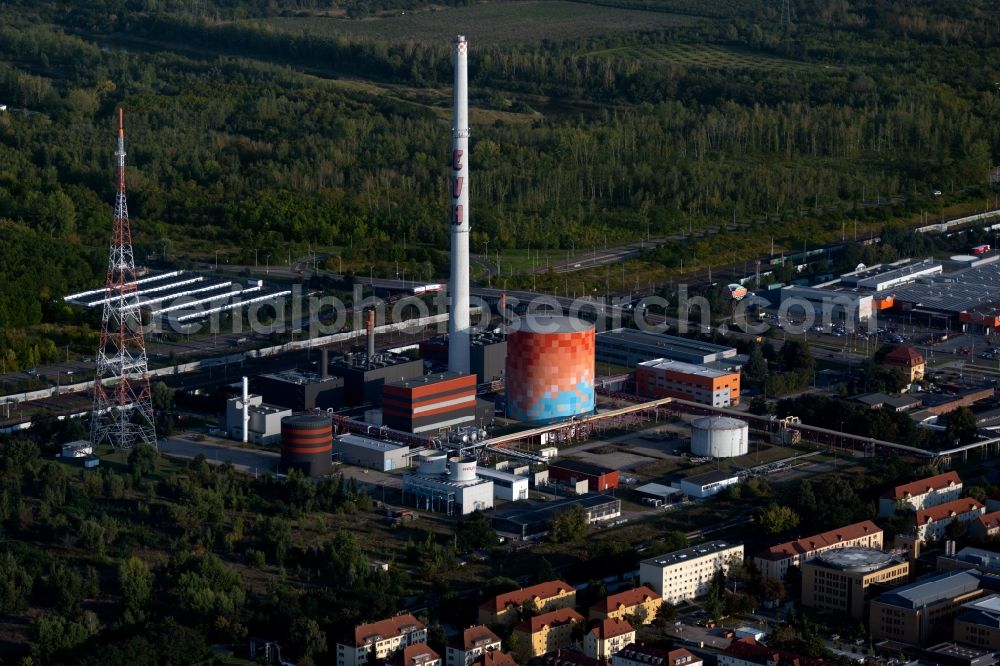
[[246, 408]]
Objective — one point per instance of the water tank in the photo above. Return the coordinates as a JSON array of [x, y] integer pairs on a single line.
[[306, 444], [719, 437], [432, 462], [462, 469], [550, 368]]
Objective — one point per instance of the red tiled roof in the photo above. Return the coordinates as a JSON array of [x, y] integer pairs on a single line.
[[990, 521], [495, 658], [519, 597], [628, 599], [477, 636], [942, 511], [939, 482], [393, 626], [417, 654], [748, 649], [809, 544], [609, 628], [560, 616], [906, 356]]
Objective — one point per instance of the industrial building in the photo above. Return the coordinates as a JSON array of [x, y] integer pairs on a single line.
[[263, 423], [535, 521], [487, 354], [371, 453], [923, 613], [663, 378], [506, 486], [838, 580], [550, 368], [300, 390], [719, 437], [429, 403], [447, 485], [307, 445], [686, 574], [628, 348], [365, 374], [380, 640], [921, 494], [572, 472], [708, 484], [773, 563], [548, 596]]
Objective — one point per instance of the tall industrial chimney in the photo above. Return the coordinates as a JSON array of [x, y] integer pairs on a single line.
[[458, 324], [371, 336], [246, 408]]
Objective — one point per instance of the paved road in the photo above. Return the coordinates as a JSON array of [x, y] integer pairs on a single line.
[[251, 461]]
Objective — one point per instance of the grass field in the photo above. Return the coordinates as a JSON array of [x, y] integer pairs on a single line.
[[715, 56], [493, 24]]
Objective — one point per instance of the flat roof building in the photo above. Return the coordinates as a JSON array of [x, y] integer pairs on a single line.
[[665, 378], [978, 623], [571, 472], [300, 390], [429, 403], [628, 347], [527, 521], [838, 579], [708, 484], [364, 377], [371, 453], [686, 574], [773, 562], [506, 486]]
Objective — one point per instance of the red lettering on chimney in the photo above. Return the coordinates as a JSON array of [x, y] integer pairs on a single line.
[[456, 186], [456, 159], [456, 217]]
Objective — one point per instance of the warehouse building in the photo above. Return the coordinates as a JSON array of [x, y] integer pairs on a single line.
[[686, 574], [838, 580], [664, 378], [371, 453], [529, 522], [628, 348], [429, 403], [572, 472], [708, 484]]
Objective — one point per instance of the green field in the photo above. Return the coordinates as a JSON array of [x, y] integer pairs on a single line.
[[494, 24], [701, 55]]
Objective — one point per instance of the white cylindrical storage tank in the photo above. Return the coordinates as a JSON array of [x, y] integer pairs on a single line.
[[432, 462], [719, 437], [463, 469]]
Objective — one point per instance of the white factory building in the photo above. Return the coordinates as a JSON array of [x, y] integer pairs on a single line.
[[264, 424], [371, 453], [447, 485], [506, 486]]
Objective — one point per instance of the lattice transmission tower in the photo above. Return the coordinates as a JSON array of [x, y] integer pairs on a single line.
[[123, 405]]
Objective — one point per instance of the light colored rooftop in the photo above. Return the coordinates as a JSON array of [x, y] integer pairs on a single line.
[[686, 368]]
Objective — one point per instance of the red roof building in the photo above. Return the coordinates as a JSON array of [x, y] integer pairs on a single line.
[[551, 595], [906, 359], [774, 562], [627, 603], [931, 523]]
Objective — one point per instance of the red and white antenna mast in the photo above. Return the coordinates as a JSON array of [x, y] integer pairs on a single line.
[[123, 405]]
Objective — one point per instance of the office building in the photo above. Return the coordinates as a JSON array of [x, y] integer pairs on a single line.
[[380, 640], [774, 562], [664, 378], [838, 579], [504, 608], [921, 494], [686, 574], [978, 623]]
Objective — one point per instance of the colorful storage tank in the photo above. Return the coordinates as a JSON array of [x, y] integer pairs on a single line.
[[550, 368], [307, 444]]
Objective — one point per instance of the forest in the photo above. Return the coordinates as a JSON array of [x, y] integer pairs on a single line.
[[244, 133]]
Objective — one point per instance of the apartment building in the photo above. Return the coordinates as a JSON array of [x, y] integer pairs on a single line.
[[607, 638], [923, 613], [380, 640], [664, 378], [930, 523], [687, 573], [645, 655], [987, 525], [773, 563], [470, 645], [838, 580], [503, 608], [921, 494], [416, 655], [543, 633], [637, 601], [748, 652]]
